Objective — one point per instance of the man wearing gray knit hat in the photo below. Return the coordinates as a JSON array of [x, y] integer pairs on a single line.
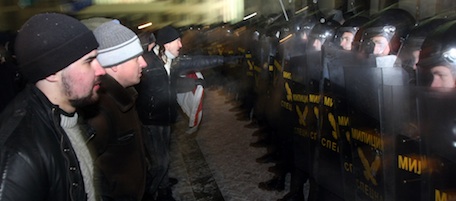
[[116, 48], [118, 143]]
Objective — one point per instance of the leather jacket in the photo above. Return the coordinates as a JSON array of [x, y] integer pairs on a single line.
[[37, 160], [156, 103], [117, 142]]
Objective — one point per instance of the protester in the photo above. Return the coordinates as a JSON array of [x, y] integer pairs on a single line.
[[42, 149], [157, 101], [118, 142]]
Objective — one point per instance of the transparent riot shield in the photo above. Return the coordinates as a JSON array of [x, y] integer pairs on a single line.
[[437, 117], [280, 111], [289, 56], [248, 48], [335, 127], [274, 95], [328, 167], [402, 164], [262, 62], [362, 88], [297, 103], [284, 83], [247, 83], [291, 127]]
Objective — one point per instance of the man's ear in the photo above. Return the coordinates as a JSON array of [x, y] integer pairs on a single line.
[[114, 68], [166, 46], [54, 77]]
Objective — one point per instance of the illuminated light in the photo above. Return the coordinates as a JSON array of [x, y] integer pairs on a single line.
[[250, 16], [285, 38], [302, 10], [450, 55], [454, 144], [145, 25], [121, 1]]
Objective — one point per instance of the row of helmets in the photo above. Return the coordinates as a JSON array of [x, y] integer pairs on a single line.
[[355, 33], [392, 31]]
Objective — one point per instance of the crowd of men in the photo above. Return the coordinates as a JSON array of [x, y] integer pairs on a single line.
[[360, 107], [73, 131]]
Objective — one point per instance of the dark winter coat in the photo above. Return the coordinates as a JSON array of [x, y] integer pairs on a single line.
[[37, 160], [118, 143]]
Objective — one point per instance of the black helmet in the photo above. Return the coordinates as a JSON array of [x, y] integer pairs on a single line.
[[324, 31], [439, 47], [303, 25], [399, 18], [393, 24], [416, 38], [417, 35], [351, 25], [367, 45]]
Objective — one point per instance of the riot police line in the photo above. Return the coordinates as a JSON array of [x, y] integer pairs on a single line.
[[338, 119]]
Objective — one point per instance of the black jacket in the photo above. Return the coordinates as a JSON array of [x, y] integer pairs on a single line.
[[156, 103], [37, 160]]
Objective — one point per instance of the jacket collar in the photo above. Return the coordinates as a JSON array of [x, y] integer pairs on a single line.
[[45, 102], [123, 97]]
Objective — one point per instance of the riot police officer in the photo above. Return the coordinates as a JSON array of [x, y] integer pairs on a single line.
[[438, 58], [410, 50], [381, 38], [345, 35], [306, 73]]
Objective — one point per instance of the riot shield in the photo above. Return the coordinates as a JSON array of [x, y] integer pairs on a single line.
[[276, 83], [327, 161], [279, 136], [437, 117], [291, 52], [401, 148], [281, 114], [261, 77], [292, 136], [335, 121], [362, 89], [363, 78], [297, 102], [247, 94], [285, 83]]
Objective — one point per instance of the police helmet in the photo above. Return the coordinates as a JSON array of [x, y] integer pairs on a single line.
[[417, 35], [415, 39], [304, 25], [439, 48], [323, 31], [393, 24], [351, 25]]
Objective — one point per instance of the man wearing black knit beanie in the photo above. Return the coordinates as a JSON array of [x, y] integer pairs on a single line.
[[157, 101], [42, 147]]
